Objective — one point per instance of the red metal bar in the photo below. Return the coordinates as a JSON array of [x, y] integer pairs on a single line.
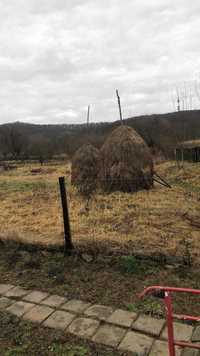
[[152, 289], [186, 317], [165, 293], [170, 329], [187, 344]]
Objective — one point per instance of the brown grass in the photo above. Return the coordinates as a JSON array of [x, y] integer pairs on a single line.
[[150, 221]]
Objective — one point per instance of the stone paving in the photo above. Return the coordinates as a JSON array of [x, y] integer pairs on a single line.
[[122, 330]]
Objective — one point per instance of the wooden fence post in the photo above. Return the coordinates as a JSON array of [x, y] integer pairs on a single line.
[[120, 109], [67, 231]]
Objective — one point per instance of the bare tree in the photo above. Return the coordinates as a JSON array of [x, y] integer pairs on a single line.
[[182, 96], [13, 142]]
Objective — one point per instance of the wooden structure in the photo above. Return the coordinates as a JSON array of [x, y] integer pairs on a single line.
[[120, 108], [188, 151]]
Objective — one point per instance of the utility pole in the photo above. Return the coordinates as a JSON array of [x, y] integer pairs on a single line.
[[119, 104], [88, 116]]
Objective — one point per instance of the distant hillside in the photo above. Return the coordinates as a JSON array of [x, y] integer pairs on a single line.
[[160, 131]]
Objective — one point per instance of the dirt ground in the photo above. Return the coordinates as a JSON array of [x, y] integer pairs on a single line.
[[161, 220], [97, 281]]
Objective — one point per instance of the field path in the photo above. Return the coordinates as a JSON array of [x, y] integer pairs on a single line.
[[122, 330]]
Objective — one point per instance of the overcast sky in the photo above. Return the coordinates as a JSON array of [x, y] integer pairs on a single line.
[[58, 56]]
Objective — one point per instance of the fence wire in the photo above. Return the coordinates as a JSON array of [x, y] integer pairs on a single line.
[[155, 221]]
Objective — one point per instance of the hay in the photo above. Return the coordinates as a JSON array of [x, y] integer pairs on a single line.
[[125, 162], [85, 169]]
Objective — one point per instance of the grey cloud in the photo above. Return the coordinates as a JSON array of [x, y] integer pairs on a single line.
[[57, 56]]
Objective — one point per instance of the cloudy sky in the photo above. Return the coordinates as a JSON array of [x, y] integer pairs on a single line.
[[58, 56]]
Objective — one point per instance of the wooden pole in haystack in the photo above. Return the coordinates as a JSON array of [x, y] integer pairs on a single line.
[[120, 109], [67, 231]]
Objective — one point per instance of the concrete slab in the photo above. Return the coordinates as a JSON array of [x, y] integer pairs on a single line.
[[149, 325], [182, 332], [122, 318], [54, 301], [196, 334], [38, 314], [16, 292], [160, 348], [98, 311], [20, 308], [109, 335], [59, 320], [35, 296], [77, 306], [136, 343], [190, 352], [83, 327], [4, 288]]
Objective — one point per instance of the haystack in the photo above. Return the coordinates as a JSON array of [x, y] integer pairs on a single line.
[[125, 162], [85, 169]]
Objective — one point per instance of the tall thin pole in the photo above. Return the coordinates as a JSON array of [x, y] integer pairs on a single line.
[[88, 116], [120, 109], [168, 308], [67, 231]]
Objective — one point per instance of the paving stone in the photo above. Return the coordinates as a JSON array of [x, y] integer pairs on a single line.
[[83, 327], [5, 302], [54, 301], [16, 292], [122, 317], [77, 306], [160, 348], [38, 314], [59, 320], [149, 325], [4, 288], [99, 311], [182, 332], [109, 335], [35, 296], [190, 352], [19, 308], [136, 343], [196, 334]]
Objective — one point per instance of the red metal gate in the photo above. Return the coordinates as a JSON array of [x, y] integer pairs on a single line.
[[166, 294]]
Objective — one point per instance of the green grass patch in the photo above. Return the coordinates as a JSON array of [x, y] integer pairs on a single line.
[[25, 186]]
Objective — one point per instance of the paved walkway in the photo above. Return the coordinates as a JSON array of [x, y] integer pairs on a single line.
[[120, 329]]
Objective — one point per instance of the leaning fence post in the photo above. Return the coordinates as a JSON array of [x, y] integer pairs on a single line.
[[67, 231]]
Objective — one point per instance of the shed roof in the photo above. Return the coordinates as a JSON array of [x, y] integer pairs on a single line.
[[189, 144]]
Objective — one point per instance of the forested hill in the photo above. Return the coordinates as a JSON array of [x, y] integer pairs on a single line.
[[160, 131]]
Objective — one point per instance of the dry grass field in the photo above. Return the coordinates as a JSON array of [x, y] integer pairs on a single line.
[[161, 220]]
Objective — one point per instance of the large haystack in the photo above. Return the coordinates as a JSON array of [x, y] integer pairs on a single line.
[[125, 162], [85, 169]]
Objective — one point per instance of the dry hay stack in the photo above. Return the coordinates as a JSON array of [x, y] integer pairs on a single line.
[[85, 169], [125, 162]]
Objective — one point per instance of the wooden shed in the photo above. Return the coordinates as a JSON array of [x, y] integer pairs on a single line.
[[188, 151]]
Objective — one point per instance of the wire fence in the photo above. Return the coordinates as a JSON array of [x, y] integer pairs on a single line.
[[156, 221]]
